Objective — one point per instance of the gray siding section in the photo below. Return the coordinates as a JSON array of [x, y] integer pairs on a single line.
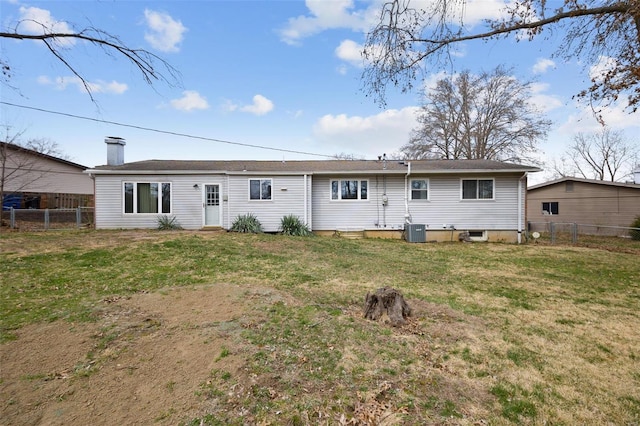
[[29, 173], [444, 206], [287, 197], [186, 201]]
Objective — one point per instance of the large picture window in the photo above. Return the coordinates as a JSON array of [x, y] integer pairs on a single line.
[[419, 189], [477, 189], [349, 189], [260, 189], [147, 197]]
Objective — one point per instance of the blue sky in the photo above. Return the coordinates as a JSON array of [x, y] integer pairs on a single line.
[[284, 75]]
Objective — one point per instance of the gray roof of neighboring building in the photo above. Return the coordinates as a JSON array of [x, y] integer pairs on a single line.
[[313, 167], [589, 181]]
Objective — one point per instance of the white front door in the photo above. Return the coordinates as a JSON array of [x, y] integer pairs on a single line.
[[212, 205]]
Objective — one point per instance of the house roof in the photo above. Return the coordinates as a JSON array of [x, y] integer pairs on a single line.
[[18, 148], [589, 181], [312, 167]]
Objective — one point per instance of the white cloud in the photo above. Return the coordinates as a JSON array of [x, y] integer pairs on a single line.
[[542, 65], [295, 114], [165, 33], [615, 117], [260, 106], [324, 15], [98, 86], [34, 20], [189, 101], [373, 135], [604, 65], [351, 52], [542, 101], [476, 11], [343, 14]]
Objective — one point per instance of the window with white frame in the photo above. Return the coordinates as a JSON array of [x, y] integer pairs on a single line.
[[419, 189], [147, 197], [348, 189], [477, 189], [260, 189]]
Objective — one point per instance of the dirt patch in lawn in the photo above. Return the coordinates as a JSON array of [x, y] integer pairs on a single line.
[[145, 360]]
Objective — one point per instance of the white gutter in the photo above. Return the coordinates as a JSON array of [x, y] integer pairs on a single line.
[[520, 208], [306, 222], [407, 217]]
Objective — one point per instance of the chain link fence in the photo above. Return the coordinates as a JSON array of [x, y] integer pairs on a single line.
[[45, 219], [579, 233]]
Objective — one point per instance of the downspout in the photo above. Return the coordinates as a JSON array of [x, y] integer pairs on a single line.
[[407, 217], [305, 200], [228, 205], [520, 207]]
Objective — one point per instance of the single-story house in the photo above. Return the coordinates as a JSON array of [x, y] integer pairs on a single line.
[[375, 197], [585, 202], [31, 179]]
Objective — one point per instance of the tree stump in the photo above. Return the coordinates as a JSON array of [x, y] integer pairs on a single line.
[[387, 300]]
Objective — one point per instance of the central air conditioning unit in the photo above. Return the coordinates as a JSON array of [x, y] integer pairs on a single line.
[[415, 233]]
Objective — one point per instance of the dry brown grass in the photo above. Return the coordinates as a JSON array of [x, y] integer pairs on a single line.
[[502, 334]]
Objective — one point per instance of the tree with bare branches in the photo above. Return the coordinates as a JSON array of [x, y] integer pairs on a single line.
[[485, 116], [603, 155], [409, 41], [152, 68]]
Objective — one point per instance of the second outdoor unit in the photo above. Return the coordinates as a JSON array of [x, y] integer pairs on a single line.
[[415, 233]]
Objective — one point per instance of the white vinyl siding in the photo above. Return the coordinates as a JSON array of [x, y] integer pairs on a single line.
[[444, 206], [186, 201], [287, 197]]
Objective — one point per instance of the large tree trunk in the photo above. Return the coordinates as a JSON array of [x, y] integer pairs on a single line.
[[387, 300]]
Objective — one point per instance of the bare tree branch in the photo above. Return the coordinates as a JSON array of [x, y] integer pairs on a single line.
[[478, 117], [151, 66], [407, 42], [604, 155]]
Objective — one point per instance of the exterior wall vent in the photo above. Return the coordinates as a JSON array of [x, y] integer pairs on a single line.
[[478, 236], [415, 233]]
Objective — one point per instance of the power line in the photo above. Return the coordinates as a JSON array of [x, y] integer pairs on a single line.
[[167, 132]]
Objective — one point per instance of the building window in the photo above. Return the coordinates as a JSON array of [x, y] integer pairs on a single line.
[[568, 186], [349, 189], [419, 189], [260, 189], [147, 197], [477, 189], [550, 207]]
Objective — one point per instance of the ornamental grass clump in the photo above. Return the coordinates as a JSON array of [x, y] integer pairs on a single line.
[[292, 225], [168, 223], [247, 223]]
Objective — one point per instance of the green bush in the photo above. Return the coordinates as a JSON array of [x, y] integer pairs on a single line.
[[166, 223], [247, 223], [635, 234], [292, 225]]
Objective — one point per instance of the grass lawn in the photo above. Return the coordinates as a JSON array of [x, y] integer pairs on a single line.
[[503, 334]]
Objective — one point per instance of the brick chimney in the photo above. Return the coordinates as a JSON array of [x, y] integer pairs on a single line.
[[115, 150]]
